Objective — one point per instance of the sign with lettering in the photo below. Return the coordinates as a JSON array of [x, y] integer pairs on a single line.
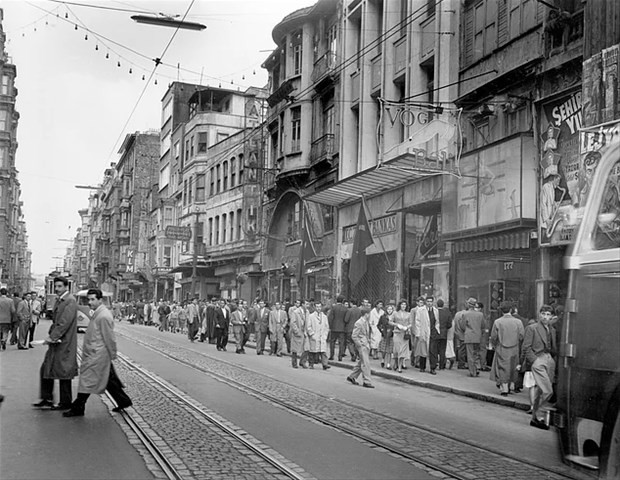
[[174, 232], [130, 263], [378, 227], [432, 135]]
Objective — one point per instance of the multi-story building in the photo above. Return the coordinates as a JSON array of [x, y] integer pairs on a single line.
[[14, 253], [303, 152], [214, 196]]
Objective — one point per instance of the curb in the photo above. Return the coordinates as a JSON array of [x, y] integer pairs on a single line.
[[433, 386]]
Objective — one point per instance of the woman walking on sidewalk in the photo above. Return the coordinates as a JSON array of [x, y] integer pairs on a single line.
[[386, 327], [402, 333], [375, 337]]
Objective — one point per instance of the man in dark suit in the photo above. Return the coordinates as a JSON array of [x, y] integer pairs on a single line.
[[252, 316], [337, 328], [539, 349], [61, 357], [352, 315], [439, 334], [262, 327], [473, 322], [222, 321]]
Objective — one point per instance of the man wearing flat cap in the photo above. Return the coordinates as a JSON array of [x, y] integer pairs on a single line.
[[473, 322]]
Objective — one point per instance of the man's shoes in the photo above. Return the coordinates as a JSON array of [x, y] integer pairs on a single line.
[[121, 408], [62, 406], [326, 367], [331, 358], [368, 385], [43, 404], [73, 413], [278, 355], [30, 345], [22, 348], [3, 345], [223, 349], [433, 372], [539, 424], [352, 380], [517, 390], [504, 394], [295, 366], [353, 359]]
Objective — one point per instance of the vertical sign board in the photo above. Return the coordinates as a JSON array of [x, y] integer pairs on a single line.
[[559, 199], [130, 262]]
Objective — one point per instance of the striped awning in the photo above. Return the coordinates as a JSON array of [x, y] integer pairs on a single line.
[[503, 241], [372, 182]]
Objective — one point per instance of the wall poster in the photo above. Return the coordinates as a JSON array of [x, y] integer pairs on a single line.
[[560, 165]]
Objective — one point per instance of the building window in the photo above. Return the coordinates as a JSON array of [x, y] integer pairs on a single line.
[[186, 157], [216, 237], [231, 215], [184, 192], [275, 148], [167, 216], [297, 59], [4, 157], [224, 228], [3, 120], [239, 229], [190, 190], [296, 129], [218, 179], [293, 222], [166, 112], [224, 176], [167, 256], [202, 142], [212, 181], [200, 188], [191, 146], [6, 85], [211, 231], [233, 172], [241, 168], [200, 234]]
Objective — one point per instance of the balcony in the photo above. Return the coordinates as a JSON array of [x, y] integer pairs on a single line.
[[283, 92], [324, 70], [323, 149], [563, 33]]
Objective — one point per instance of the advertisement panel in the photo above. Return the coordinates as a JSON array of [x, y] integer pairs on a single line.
[[560, 164]]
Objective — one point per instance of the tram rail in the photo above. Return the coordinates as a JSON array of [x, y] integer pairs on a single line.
[[392, 448]]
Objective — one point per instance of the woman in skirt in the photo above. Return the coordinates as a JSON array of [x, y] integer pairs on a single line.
[[401, 321], [386, 327]]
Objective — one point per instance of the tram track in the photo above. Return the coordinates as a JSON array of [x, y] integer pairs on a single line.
[[161, 457], [537, 470]]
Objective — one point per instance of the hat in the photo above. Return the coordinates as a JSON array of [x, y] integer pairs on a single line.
[[472, 301]]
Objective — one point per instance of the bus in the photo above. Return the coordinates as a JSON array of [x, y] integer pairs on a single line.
[[50, 295], [587, 413]]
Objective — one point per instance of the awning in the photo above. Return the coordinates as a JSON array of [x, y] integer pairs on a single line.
[[371, 182]]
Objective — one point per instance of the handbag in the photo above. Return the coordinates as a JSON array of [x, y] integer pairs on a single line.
[[407, 335]]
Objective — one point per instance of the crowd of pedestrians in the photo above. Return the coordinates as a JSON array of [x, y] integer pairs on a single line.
[[19, 317]]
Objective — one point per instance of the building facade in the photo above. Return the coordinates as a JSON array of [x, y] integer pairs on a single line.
[[15, 258]]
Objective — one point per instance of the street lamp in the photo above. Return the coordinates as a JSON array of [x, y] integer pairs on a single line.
[[165, 21]]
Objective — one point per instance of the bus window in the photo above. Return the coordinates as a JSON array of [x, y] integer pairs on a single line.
[[607, 232]]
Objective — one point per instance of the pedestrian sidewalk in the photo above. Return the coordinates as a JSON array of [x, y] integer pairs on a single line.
[[453, 381], [42, 444]]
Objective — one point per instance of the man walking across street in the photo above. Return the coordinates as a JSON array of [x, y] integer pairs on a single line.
[[353, 314], [7, 314], [337, 328], [98, 350], [361, 338], [60, 360], [539, 348], [24, 316], [473, 321], [506, 337]]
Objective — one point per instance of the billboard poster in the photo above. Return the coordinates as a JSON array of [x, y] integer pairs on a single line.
[[560, 164]]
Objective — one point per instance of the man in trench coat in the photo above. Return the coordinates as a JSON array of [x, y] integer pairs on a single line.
[[98, 350], [60, 360]]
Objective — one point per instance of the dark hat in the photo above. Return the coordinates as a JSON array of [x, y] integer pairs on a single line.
[[472, 301]]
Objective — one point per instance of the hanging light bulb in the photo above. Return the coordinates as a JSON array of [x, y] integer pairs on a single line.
[[107, 55], [242, 77], [155, 81], [76, 27], [86, 37], [130, 70], [119, 63], [254, 72], [66, 15], [220, 85], [35, 29], [143, 77], [231, 82], [96, 47], [46, 22]]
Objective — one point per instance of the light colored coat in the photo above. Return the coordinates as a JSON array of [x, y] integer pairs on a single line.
[[60, 360], [298, 324], [318, 330], [98, 351], [506, 336], [375, 337], [362, 332]]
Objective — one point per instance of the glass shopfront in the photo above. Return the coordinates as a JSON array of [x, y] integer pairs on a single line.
[[494, 277]]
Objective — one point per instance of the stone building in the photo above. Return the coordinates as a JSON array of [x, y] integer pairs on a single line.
[[15, 258]]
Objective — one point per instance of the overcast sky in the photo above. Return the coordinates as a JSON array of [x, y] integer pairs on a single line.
[[76, 106]]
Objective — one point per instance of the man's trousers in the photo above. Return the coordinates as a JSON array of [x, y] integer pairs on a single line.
[[437, 352], [363, 365], [114, 388], [473, 358], [342, 344], [221, 337], [543, 370], [47, 390]]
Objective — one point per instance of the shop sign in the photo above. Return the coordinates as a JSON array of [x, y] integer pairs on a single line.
[[378, 227], [561, 169], [430, 239], [174, 232], [131, 266], [433, 134]]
